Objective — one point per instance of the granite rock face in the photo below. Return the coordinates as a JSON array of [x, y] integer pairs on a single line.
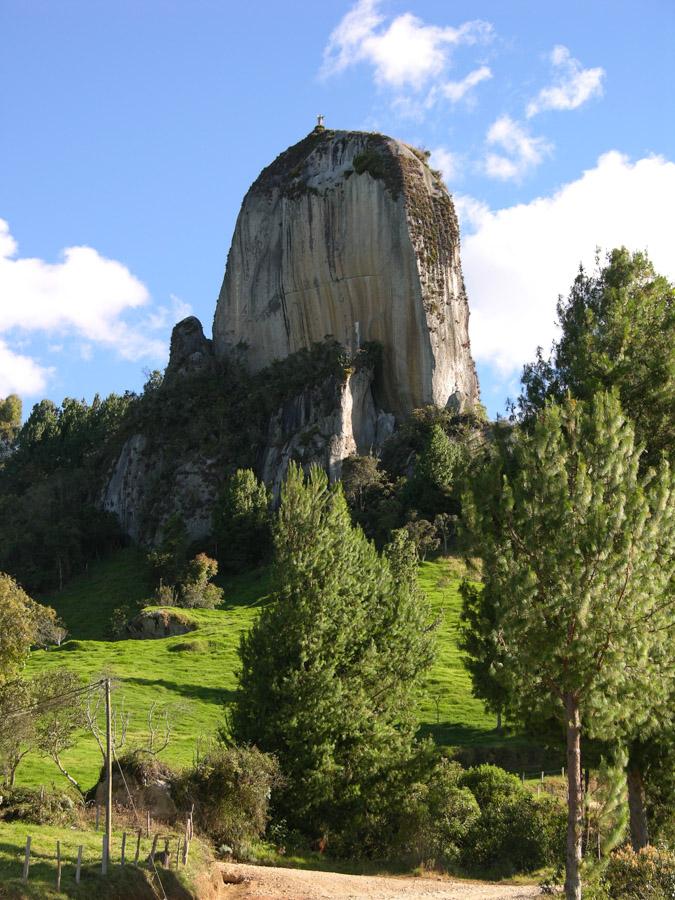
[[346, 236], [323, 426], [351, 235], [190, 350]]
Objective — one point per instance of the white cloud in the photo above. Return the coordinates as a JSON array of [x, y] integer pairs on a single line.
[[405, 53], [20, 374], [458, 90], [520, 259], [83, 295], [573, 86], [523, 151], [448, 163], [471, 212]]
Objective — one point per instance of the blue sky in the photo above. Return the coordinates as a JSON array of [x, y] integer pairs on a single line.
[[130, 131]]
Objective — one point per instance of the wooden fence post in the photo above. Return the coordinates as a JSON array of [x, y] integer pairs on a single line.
[[104, 856], [124, 845], [154, 848], [26, 862], [177, 853], [58, 866], [78, 867], [138, 847], [166, 858]]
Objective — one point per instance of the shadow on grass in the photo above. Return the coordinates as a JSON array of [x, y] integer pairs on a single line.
[[192, 691], [457, 735], [130, 882], [475, 746]]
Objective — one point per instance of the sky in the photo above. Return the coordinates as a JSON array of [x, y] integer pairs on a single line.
[[130, 132]]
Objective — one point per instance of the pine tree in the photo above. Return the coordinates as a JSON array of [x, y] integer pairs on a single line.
[[431, 488], [479, 641], [242, 521], [577, 549], [331, 668], [618, 332]]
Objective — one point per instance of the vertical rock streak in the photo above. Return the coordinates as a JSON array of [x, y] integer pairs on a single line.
[[352, 227]]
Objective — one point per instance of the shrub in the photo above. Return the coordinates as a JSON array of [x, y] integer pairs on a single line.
[[647, 875], [436, 817], [490, 784], [517, 833], [195, 590], [40, 807], [231, 790]]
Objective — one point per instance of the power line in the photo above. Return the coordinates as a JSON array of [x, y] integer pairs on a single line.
[[47, 702]]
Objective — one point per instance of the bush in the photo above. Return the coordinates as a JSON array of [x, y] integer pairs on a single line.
[[516, 831], [490, 785], [231, 790], [647, 875], [40, 807], [193, 589], [436, 817], [519, 833]]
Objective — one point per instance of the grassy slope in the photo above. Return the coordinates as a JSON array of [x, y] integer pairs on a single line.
[[129, 882], [198, 684]]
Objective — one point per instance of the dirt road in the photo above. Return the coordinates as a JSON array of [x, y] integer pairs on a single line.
[[267, 883]]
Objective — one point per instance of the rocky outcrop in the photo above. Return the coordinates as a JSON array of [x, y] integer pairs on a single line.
[[125, 490], [190, 350], [347, 239], [159, 623], [351, 235], [135, 480], [146, 785], [324, 425]]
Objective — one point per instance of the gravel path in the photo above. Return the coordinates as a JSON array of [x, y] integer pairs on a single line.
[[268, 883]]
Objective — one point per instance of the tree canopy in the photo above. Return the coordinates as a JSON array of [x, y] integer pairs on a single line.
[[578, 558], [23, 623], [617, 331], [331, 668]]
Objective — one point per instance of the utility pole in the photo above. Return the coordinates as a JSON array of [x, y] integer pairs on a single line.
[[108, 772]]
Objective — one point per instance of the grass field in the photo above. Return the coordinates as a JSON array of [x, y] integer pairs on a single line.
[[128, 882], [195, 675]]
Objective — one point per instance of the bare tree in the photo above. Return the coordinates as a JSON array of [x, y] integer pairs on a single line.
[[60, 717], [160, 725], [94, 712]]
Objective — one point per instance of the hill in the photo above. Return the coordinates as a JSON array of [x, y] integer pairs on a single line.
[[194, 676]]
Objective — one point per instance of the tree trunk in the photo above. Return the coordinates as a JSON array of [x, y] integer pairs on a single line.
[[499, 721], [59, 766], [575, 805], [639, 832]]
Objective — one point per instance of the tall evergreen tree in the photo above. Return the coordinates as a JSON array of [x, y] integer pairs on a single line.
[[330, 670], [10, 420], [241, 521], [479, 641], [577, 549], [618, 332]]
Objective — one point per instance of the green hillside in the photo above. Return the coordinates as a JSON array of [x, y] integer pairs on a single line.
[[195, 675]]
